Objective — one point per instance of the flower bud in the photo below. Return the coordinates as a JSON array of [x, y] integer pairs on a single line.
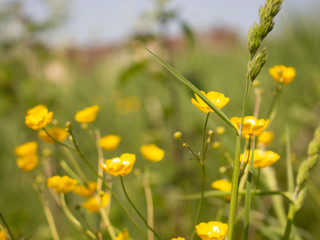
[[177, 135]]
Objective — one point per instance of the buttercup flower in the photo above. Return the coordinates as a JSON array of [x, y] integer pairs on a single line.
[[265, 138], [261, 158], [179, 238], [59, 134], [28, 148], [38, 117], [282, 74], [251, 125], [93, 204], [152, 152], [221, 130], [63, 184], [110, 142], [85, 190], [28, 163], [124, 235], [87, 115], [218, 99], [212, 230], [120, 165]]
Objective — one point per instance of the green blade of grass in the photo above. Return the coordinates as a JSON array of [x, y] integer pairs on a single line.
[[290, 177], [194, 89]]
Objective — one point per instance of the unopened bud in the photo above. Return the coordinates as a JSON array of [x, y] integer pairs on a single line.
[[222, 169], [256, 83], [177, 135], [221, 130], [185, 145], [68, 125], [211, 132], [216, 145]]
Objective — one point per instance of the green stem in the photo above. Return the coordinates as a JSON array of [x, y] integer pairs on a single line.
[[70, 216], [106, 185], [7, 227], [248, 194], [51, 222], [58, 142], [137, 211], [107, 223], [290, 217], [274, 106], [203, 171], [290, 177]]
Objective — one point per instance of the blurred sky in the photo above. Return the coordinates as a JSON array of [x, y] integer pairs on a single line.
[[103, 21]]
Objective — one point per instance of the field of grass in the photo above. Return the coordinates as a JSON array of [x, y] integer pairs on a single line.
[[143, 103]]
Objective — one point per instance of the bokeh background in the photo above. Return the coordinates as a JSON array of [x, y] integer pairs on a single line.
[[70, 55]]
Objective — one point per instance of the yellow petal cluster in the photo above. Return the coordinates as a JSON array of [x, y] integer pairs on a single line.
[[218, 99], [251, 125], [282, 74], [261, 158], [212, 230], [93, 204], [178, 238], [59, 134], [85, 190], [110, 142], [27, 156], [124, 235], [63, 184], [87, 115], [152, 152], [120, 165], [38, 117], [265, 138]]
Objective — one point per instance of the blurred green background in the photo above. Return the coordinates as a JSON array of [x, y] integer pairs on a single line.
[[143, 103]]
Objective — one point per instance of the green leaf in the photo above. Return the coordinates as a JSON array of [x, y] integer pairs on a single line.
[[193, 89]]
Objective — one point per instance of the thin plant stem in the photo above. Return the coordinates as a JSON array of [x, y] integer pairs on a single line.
[[50, 220], [74, 221], [136, 210], [106, 185], [107, 223], [274, 106], [290, 177], [58, 142], [149, 201], [76, 166], [289, 224], [236, 168], [7, 227], [203, 173], [248, 194], [68, 170]]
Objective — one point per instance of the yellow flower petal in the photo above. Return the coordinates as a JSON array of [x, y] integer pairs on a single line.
[[28, 148], [109, 142], [124, 235], [152, 152], [120, 165], [212, 230], [59, 134], [63, 184], [87, 115], [218, 99], [282, 74]]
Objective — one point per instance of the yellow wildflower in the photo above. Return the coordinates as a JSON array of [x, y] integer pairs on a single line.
[[212, 230], [38, 117], [152, 152], [85, 190], [2, 235], [216, 144], [62, 184], [28, 148], [93, 204], [110, 142], [87, 115], [120, 165], [178, 238], [261, 158], [251, 125], [218, 99], [27, 163], [265, 138], [124, 235], [59, 134], [282, 74]]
